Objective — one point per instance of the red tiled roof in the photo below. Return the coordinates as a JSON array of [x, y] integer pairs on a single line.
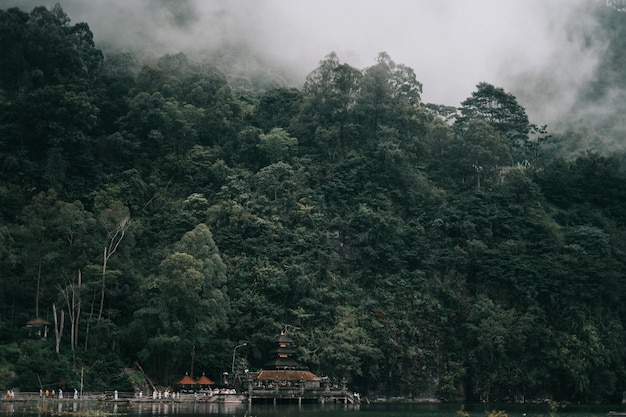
[[286, 375], [187, 380], [204, 380]]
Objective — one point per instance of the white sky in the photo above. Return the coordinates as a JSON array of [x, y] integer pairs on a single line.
[[451, 44]]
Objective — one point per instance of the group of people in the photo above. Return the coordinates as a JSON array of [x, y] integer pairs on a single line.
[[53, 394], [157, 395], [45, 394]]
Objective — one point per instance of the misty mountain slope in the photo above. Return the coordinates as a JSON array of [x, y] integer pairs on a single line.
[[415, 250], [586, 115]]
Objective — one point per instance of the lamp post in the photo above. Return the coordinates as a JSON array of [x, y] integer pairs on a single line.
[[232, 368]]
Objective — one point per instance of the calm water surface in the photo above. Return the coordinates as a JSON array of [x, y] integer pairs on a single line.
[[77, 409]]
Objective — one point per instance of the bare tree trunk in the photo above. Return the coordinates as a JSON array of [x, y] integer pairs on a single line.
[[71, 293], [78, 308], [58, 327], [150, 383], [105, 259], [116, 222], [69, 301]]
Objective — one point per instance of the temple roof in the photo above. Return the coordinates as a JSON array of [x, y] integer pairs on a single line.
[[187, 380], [283, 338], [38, 322], [286, 375], [284, 350], [205, 380], [277, 363]]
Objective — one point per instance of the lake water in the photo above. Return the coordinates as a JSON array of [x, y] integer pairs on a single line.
[[124, 409]]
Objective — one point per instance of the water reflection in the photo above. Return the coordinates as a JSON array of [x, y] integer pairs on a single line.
[[158, 409], [56, 408]]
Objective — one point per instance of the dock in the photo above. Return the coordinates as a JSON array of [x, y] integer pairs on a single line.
[[301, 394]]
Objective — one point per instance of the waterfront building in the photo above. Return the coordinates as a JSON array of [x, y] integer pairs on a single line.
[[284, 379], [283, 369]]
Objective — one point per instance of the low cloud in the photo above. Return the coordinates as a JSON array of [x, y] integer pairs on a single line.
[[524, 46]]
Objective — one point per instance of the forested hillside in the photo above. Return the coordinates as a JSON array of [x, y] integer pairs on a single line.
[[162, 211]]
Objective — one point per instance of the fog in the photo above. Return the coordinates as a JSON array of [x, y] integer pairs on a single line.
[[451, 44]]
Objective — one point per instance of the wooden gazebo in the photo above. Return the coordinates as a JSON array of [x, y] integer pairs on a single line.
[[38, 327]]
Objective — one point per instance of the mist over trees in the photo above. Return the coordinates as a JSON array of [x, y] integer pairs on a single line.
[[159, 212]]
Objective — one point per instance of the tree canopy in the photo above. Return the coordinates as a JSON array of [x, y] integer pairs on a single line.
[[414, 249]]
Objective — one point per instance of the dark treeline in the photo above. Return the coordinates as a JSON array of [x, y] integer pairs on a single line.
[[159, 214]]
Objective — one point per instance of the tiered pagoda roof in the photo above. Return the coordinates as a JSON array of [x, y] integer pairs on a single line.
[[282, 366], [282, 356]]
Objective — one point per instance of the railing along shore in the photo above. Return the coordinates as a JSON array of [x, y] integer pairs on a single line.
[[109, 396]]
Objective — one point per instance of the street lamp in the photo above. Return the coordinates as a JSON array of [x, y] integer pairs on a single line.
[[232, 368]]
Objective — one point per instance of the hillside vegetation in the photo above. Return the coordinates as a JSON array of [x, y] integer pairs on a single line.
[[161, 212]]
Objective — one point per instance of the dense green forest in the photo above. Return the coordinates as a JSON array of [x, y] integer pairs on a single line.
[[158, 212]]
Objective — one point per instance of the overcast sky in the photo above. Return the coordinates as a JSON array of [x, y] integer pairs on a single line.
[[451, 44]]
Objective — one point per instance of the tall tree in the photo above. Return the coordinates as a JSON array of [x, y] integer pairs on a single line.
[[500, 110], [329, 96], [390, 95], [277, 145], [57, 237], [188, 303]]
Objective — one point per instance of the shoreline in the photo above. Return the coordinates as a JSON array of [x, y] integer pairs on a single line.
[[185, 398]]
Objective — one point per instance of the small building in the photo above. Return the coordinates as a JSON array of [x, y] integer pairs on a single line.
[[283, 369], [205, 382], [38, 328], [284, 379], [187, 384]]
